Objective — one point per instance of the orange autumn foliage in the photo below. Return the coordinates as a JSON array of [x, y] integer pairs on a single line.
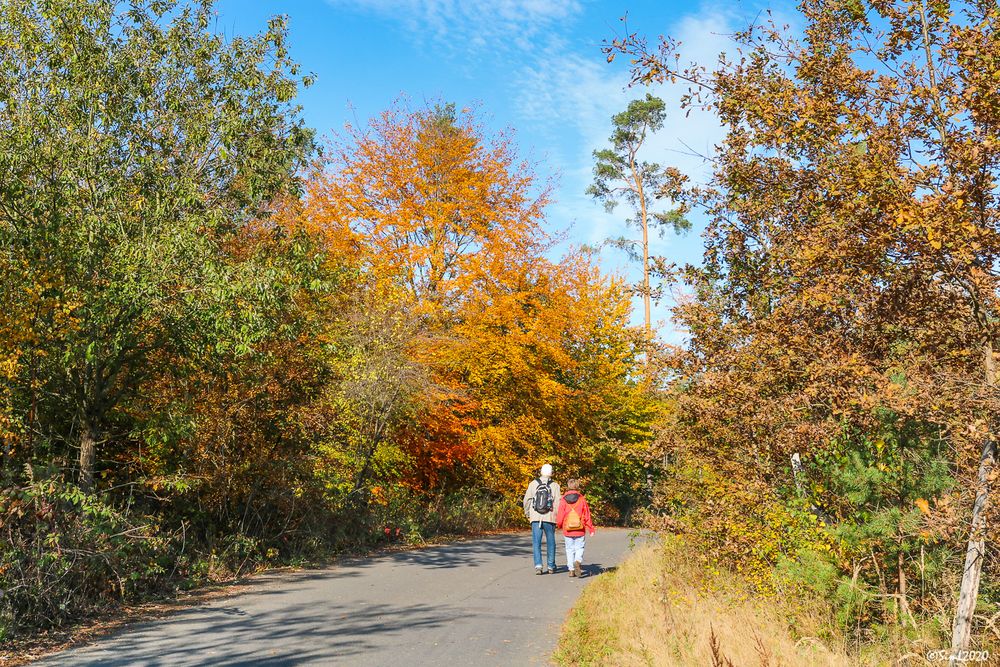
[[438, 441], [436, 215], [424, 199], [525, 355]]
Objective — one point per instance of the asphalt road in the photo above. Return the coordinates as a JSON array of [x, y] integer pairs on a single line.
[[476, 602]]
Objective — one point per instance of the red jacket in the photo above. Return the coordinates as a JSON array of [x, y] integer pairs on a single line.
[[570, 500]]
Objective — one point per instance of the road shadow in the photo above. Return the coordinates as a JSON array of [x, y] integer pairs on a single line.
[[317, 633], [304, 627], [596, 569], [471, 553], [589, 570]]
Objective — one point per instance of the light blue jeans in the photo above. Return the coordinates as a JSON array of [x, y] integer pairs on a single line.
[[574, 549], [537, 527]]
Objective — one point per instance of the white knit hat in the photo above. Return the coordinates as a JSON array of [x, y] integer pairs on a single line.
[[547, 470]]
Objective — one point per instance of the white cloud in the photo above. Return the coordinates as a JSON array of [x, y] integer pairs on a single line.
[[582, 92], [560, 88], [569, 89], [475, 24]]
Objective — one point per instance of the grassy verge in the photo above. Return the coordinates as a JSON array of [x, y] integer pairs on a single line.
[[661, 607]]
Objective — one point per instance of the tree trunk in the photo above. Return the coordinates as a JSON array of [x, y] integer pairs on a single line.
[[976, 551], [974, 555], [796, 472], [904, 603], [88, 452], [644, 219], [883, 590], [645, 271]]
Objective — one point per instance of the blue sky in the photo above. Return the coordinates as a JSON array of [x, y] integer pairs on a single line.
[[531, 65]]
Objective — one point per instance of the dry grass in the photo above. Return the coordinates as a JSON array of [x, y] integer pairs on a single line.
[[662, 608]]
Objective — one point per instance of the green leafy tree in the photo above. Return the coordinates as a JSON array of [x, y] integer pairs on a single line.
[[620, 175], [875, 491], [136, 146]]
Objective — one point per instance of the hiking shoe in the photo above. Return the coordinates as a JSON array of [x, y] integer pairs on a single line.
[[578, 569]]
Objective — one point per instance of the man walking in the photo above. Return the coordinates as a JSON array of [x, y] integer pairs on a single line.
[[541, 504]]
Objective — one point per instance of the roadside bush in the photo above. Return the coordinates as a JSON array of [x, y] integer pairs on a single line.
[[470, 511], [736, 523], [65, 554], [402, 514]]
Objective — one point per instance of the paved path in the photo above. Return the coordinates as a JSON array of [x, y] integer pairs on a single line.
[[475, 602]]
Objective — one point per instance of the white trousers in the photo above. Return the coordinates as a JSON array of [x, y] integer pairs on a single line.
[[574, 549]]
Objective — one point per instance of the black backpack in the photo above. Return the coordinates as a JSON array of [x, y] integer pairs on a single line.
[[543, 498]]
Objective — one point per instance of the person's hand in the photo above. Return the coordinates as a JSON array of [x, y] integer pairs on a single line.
[[593, 532]]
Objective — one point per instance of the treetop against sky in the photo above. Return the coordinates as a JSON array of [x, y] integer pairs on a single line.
[[533, 65]]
